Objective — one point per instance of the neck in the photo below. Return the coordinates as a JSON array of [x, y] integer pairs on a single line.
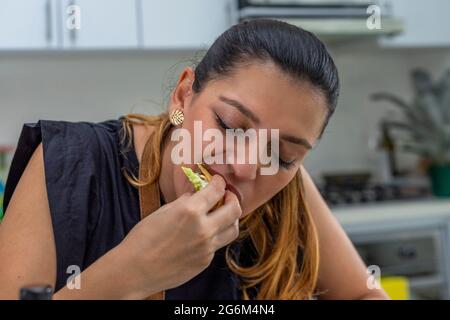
[[165, 181]]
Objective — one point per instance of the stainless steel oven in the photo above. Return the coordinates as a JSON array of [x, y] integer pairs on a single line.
[[418, 254]]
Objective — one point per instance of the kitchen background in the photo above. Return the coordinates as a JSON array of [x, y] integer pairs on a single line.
[[126, 58]]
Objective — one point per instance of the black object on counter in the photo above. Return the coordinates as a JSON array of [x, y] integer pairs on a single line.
[[36, 293]]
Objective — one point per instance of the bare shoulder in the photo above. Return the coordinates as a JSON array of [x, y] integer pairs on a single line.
[[141, 133], [312, 194], [32, 181], [26, 236], [321, 213]]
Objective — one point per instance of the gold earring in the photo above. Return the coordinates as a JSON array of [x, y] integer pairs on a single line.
[[176, 117]]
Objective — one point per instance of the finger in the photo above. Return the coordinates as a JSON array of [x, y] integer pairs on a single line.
[[206, 198], [227, 214], [227, 236]]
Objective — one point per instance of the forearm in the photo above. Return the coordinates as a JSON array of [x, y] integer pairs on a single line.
[[108, 278]]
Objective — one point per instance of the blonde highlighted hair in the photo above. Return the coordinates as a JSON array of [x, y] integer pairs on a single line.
[[280, 230]]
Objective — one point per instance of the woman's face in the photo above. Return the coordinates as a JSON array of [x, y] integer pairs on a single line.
[[257, 96]]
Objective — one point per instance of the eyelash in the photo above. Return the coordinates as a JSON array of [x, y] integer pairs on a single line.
[[221, 123], [284, 164]]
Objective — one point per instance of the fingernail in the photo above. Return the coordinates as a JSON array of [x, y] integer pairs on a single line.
[[219, 181]]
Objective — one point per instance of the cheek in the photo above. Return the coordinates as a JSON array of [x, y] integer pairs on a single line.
[[268, 187], [181, 183], [197, 141], [276, 183]]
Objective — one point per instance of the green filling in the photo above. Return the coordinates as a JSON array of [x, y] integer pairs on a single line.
[[194, 178]]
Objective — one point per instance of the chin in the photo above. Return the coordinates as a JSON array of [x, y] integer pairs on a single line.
[[244, 214]]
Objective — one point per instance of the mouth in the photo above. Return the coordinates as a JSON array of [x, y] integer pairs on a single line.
[[229, 186]]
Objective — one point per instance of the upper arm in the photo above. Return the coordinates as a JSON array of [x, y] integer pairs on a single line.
[[342, 273], [27, 246]]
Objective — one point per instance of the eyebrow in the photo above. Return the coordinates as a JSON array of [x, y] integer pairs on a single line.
[[249, 114], [296, 140], [243, 109]]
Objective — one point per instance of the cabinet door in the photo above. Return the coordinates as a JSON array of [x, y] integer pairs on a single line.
[[103, 24], [27, 24], [426, 23], [181, 24]]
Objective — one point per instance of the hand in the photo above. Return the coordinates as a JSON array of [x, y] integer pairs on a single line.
[[178, 241]]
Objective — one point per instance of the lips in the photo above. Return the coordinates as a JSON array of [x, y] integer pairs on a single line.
[[229, 186]]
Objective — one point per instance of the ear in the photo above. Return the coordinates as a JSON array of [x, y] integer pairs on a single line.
[[182, 93]]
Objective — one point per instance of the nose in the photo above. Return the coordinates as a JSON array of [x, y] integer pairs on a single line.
[[243, 165], [245, 171]]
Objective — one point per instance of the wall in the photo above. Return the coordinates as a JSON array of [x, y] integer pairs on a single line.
[[364, 69], [96, 86]]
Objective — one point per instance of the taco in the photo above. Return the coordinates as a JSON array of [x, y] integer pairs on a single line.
[[200, 180]]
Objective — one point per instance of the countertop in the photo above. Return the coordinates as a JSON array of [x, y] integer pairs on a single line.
[[393, 213]]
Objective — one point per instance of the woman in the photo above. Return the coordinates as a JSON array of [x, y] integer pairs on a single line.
[[75, 190]]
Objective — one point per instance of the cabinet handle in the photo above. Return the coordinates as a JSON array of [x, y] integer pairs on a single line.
[[72, 32], [407, 252], [48, 22]]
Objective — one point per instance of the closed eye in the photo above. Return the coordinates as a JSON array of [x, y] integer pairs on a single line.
[[221, 123], [286, 164]]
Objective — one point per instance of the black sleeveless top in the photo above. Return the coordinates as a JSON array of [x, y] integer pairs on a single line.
[[93, 206]]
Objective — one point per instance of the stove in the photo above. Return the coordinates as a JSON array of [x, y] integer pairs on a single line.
[[336, 195]]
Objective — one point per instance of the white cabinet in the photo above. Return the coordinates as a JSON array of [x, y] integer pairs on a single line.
[[112, 24], [27, 24], [426, 23], [182, 24], [104, 24]]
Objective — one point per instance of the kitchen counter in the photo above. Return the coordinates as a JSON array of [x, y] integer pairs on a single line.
[[390, 214]]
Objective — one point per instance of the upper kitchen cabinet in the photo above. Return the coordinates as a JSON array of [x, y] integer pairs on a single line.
[[28, 24], [99, 24], [181, 24], [426, 23]]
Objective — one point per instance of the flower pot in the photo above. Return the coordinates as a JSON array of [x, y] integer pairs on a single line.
[[440, 180]]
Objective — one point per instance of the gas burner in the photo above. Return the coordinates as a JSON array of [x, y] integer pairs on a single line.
[[371, 193]]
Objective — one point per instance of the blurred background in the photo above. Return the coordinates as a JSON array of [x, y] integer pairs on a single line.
[[383, 164]]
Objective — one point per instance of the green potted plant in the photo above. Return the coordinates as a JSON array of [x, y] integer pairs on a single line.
[[426, 125], [4, 150]]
